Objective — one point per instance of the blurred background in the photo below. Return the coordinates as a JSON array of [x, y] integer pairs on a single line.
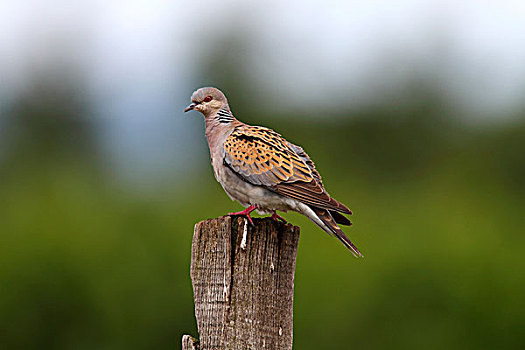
[[414, 112]]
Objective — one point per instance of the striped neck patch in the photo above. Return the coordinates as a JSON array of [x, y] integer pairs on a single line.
[[224, 116]]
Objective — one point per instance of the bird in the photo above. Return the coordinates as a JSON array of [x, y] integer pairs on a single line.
[[263, 171]]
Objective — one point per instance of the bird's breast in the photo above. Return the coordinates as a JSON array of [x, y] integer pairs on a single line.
[[248, 194]]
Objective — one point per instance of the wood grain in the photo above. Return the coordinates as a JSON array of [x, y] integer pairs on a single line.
[[243, 280]]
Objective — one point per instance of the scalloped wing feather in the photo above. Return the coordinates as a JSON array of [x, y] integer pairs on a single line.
[[263, 157], [260, 156]]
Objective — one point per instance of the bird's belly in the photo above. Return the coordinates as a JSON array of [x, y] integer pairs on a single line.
[[248, 194]]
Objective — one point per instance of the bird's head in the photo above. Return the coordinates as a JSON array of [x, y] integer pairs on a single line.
[[207, 100]]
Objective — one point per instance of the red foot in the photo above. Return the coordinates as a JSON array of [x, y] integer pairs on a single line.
[[246, 212], [277, 217]]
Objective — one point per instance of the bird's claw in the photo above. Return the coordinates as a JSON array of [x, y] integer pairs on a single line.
[[277, 217], [246, 212]]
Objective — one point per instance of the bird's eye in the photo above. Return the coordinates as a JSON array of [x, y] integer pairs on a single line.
[[207, 99]]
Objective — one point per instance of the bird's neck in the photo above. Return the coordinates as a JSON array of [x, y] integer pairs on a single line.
[[224, 115], [218, 128]]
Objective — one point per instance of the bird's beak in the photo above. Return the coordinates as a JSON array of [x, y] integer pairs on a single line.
[[190, 107]]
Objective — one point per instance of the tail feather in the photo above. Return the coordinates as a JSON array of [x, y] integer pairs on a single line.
[[340, 218], [330, 226]]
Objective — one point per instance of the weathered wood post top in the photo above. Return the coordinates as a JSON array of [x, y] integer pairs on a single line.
[[243, 281]]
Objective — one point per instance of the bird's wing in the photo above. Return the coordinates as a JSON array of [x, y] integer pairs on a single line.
[[262, 157]]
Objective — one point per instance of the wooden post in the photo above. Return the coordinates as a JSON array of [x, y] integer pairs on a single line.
[[243, 279]]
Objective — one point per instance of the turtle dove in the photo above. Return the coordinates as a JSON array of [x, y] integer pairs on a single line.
[[261, 170]]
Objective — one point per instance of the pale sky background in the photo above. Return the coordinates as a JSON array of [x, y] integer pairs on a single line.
[[140, 59]]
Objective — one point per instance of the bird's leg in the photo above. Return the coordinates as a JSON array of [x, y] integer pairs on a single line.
[[246, 212], [277, 217]]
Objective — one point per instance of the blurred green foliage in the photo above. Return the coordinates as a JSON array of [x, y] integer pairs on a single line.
[[86, 264]]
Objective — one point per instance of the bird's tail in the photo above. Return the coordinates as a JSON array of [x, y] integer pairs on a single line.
[[328, 224]]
